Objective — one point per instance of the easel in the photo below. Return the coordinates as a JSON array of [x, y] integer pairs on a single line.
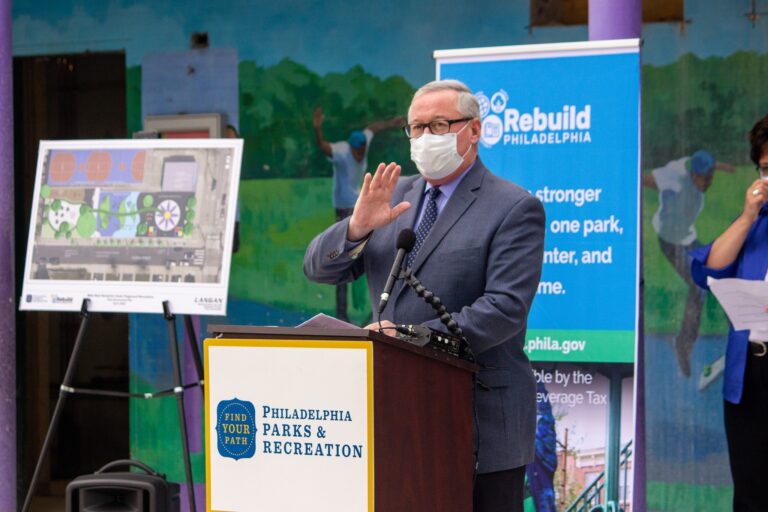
[[66, 389]]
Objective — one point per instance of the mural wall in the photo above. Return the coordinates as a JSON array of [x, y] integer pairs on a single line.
[[702, 90], [692, 107]]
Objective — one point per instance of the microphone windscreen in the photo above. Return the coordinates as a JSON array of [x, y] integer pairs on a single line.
[[406, 239]]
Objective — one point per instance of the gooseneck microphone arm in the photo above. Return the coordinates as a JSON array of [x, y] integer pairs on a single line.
[[406, 239], [434, 301]]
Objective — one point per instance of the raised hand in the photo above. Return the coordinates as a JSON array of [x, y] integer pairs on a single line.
[[372, 209], [318, 117], [756, 196]]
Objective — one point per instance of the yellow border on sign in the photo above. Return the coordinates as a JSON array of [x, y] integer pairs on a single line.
[[332, 344]]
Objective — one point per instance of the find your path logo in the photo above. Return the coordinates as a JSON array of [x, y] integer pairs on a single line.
[[236, 429]]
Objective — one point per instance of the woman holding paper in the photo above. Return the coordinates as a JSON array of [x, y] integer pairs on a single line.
[[741, 251]]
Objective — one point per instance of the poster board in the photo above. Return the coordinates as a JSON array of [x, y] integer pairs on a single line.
[[129, 224], [289, 425]]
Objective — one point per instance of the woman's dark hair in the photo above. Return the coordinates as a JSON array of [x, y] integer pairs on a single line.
[[758, 140]]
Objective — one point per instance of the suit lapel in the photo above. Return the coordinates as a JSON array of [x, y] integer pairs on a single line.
[[406, 220], [460, 200], [413, 196]]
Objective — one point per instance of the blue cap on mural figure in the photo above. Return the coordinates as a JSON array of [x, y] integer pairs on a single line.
[[702, 162], [356, 139]]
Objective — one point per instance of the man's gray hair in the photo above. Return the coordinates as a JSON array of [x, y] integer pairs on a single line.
[[467, 104]]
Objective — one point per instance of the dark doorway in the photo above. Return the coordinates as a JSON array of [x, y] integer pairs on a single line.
[[56, 97]]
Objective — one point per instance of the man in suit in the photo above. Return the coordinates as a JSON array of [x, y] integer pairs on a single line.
[[479, 248]]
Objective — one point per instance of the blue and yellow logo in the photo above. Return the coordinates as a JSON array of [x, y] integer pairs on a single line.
[[236, 429]]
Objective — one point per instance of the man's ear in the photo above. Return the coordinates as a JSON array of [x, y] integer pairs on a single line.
[[476, 129]]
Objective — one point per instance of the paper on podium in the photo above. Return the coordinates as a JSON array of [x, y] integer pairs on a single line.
[[327, 322], [743, 300]]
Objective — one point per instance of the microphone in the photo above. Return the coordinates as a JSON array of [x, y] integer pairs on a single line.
[[406, 239]]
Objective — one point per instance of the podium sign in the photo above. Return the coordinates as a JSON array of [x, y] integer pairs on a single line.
[[289, 425]]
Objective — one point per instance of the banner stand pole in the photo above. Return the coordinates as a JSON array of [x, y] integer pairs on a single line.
[[64, 390], [179, 392], [613, 446]]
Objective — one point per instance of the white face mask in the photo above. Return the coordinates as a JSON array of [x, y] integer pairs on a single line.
[[437, 156]]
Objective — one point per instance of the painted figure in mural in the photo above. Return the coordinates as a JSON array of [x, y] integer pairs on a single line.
[[541, 472], [682, 184], [479, 247], [741, 251], [350, 160]]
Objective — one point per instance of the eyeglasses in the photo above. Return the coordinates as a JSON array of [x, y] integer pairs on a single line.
[[762, 169], [436, 127]]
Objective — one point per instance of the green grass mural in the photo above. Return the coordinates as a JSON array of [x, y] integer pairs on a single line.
[[689, 105], [665, 292], [278, 219]]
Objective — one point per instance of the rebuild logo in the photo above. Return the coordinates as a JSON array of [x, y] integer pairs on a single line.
[[510, 126]]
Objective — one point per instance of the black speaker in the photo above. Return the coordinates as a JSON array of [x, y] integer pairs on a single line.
[[122, 491]]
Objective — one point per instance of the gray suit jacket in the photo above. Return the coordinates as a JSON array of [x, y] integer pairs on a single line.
[[483, 259]]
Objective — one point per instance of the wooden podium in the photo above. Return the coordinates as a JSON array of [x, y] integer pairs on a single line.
[[400, 437]]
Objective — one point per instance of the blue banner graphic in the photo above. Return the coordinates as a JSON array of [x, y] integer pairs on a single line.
[[566, 127]]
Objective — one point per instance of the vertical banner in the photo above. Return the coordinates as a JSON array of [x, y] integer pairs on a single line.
[[562, 120]]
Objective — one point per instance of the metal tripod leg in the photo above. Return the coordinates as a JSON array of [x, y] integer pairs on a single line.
[[192, 340], [64, 391], [179, 392]]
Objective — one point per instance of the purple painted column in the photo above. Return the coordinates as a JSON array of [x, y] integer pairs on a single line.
[[615, 19], [623, 19], [7, 293]]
